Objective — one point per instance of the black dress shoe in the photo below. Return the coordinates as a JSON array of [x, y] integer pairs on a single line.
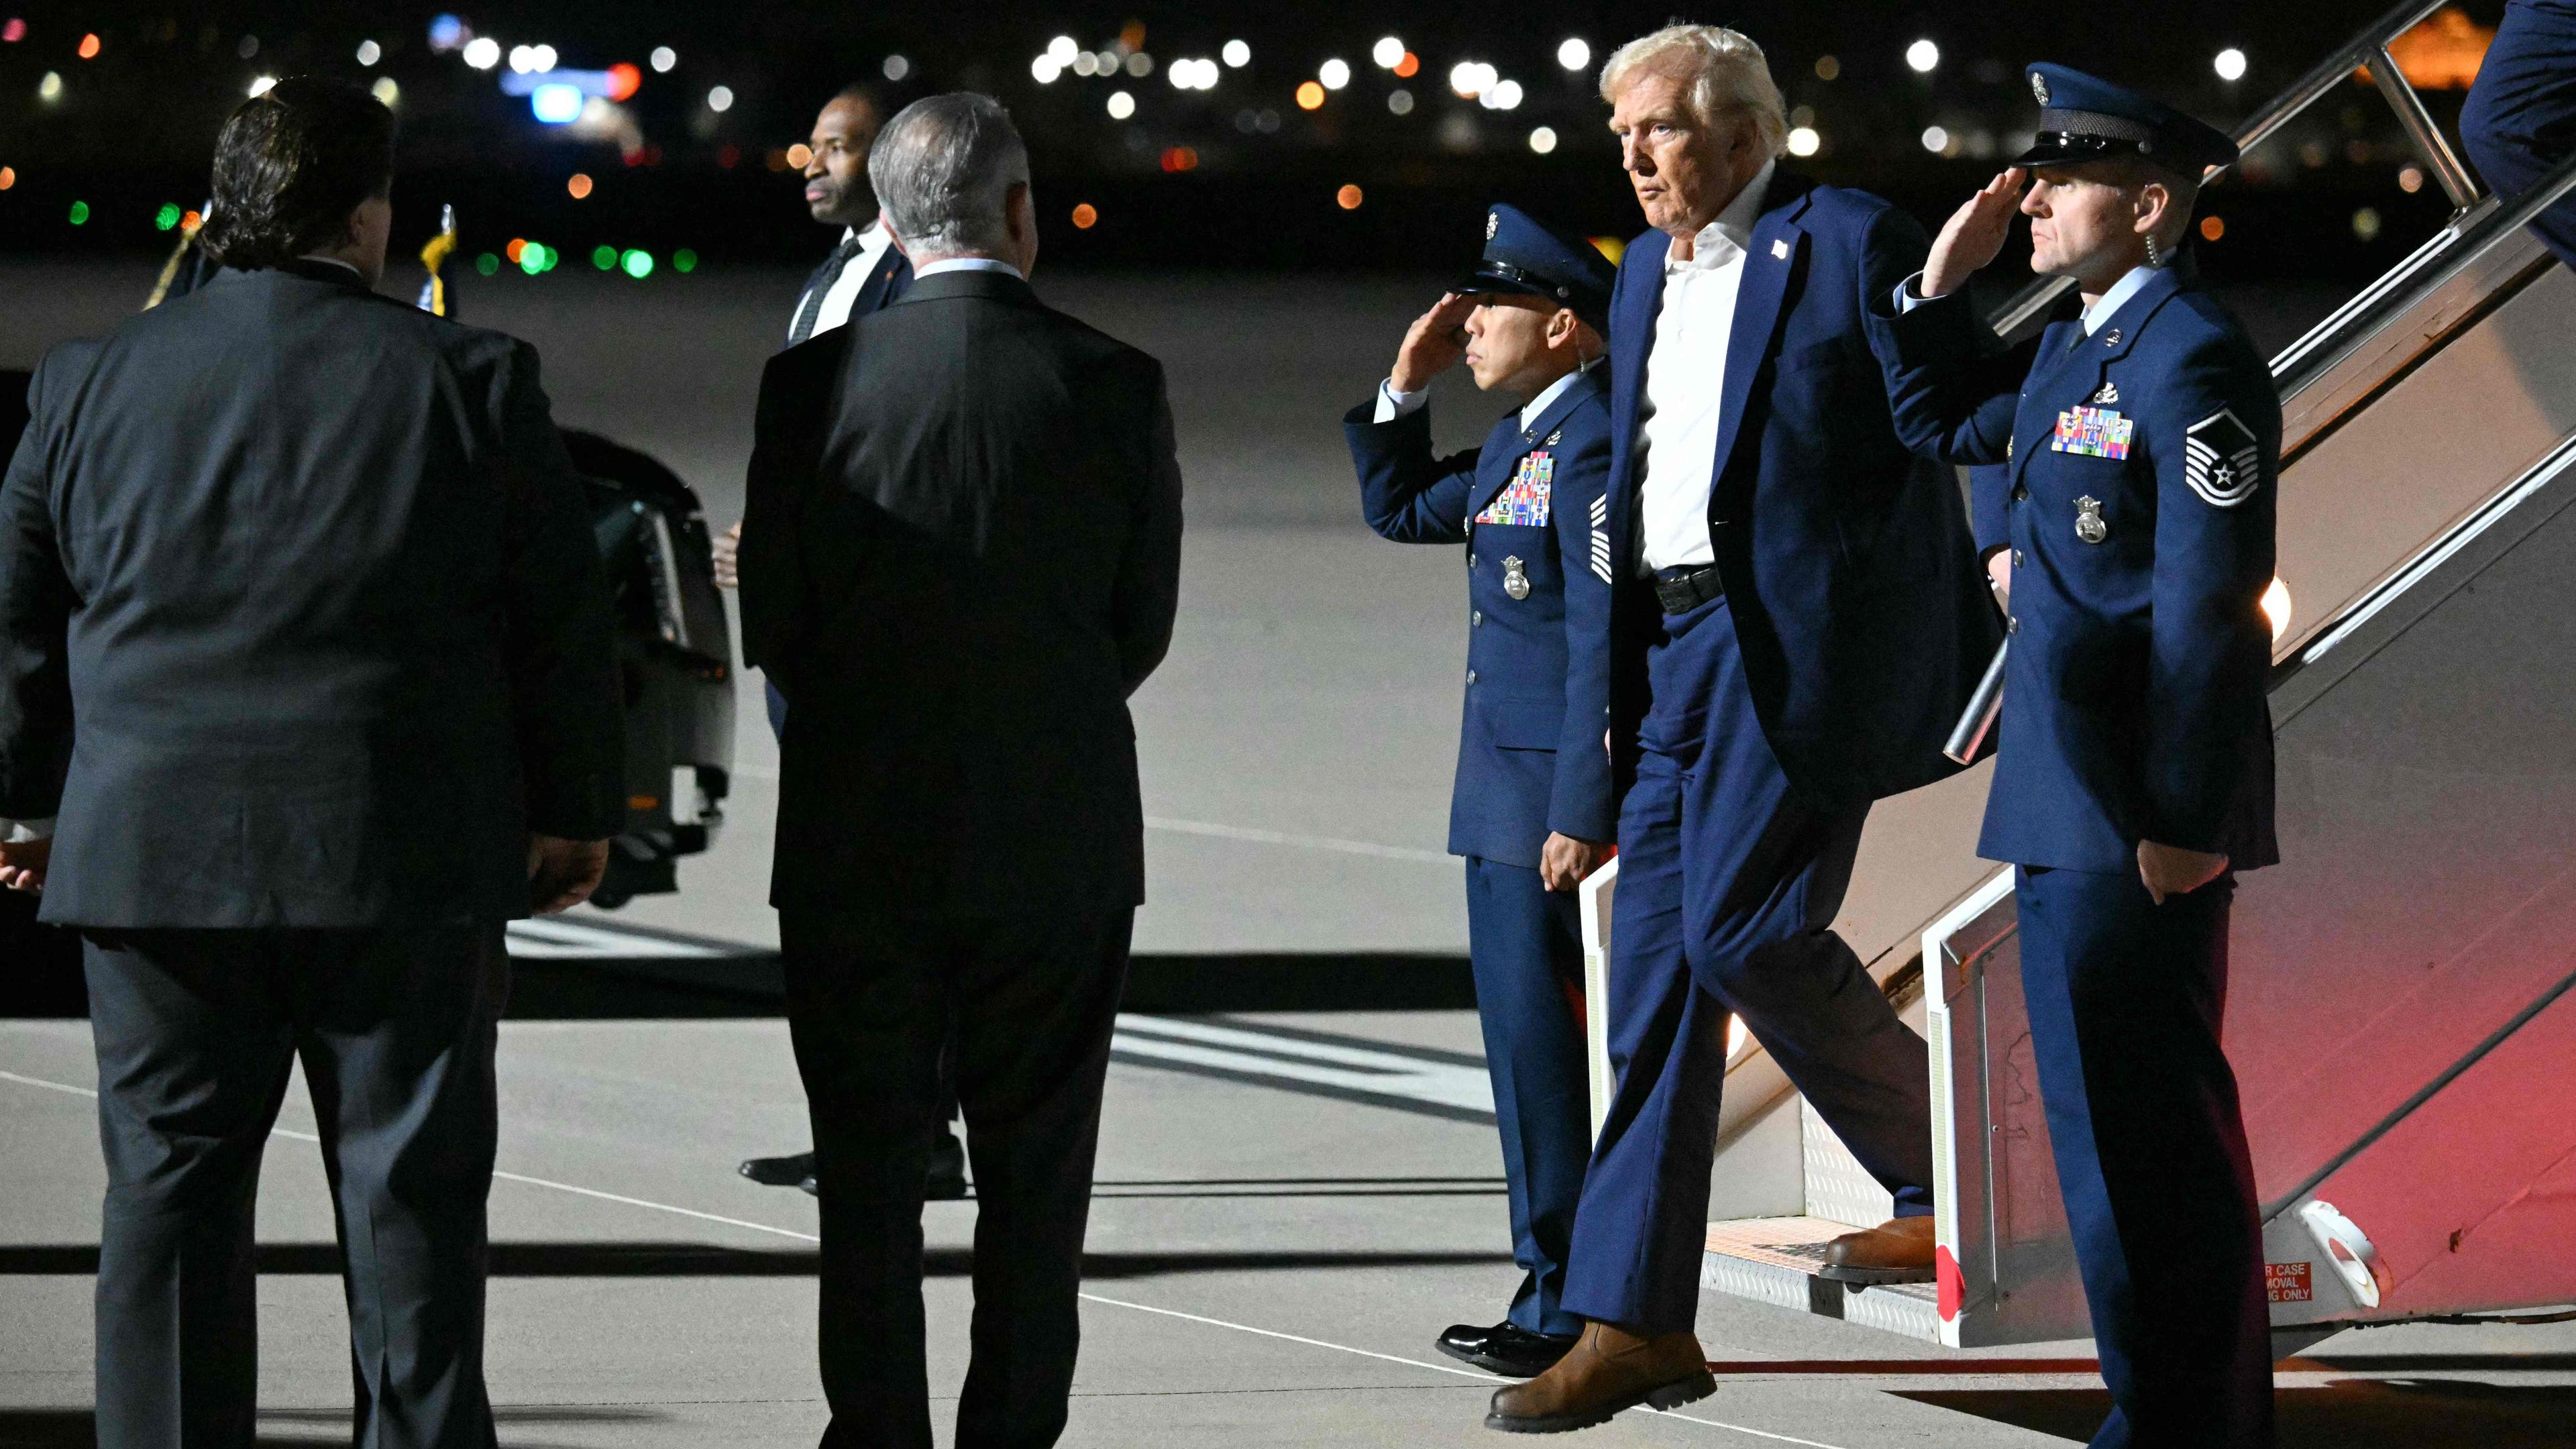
[[1506, 1348], [792, 1171], [947, 1179]]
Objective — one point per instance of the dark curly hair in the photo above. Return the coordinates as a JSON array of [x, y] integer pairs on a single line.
[[290, 165]]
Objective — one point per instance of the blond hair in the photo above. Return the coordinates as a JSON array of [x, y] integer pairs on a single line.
[[1725, 70]]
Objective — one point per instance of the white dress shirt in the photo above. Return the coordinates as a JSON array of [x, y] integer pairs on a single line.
[[965, 264], [845, 287], [1392, 404], [1685, 386]]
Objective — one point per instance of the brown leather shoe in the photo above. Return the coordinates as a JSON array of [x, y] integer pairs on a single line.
[[1896, 1251], [1608, 1370]]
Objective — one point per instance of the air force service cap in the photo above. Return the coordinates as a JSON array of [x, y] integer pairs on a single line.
[[1525, 256], [2086, 118]]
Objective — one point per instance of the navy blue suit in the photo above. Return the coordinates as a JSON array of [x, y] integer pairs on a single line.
[[1531, 761], [2137, 496], [2520, 119], [1752, 732]]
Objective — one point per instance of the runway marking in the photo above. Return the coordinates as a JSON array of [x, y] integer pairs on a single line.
[[1247, 1052], [802, 1237], [1305, 842], [557, 939]]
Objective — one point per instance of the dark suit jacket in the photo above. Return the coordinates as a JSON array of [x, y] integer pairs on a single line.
[[301, 623], [1864, 619], [960, 556]]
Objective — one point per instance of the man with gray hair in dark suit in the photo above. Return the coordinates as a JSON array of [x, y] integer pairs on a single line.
[[962, 556]]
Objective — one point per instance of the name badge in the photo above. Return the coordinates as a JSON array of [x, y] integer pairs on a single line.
[[1524, 499], [2093, 432]]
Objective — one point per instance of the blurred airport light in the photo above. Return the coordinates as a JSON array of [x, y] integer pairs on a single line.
[[446, 33], [482, 52], [167, 217], [636, 264], [1335, 74], [88, 47], [622, 81], [487, 264], [12, 30], [1502, 96], [1472, 78], [1804, 141], [684, 261], [895, 68], [262, 85], [604, 257], [720, 99], [2365, 223], [387, 93], [2212, 228], [369, 52], [80, 213], [1387, 52], [1828, 68], [1045, 69], [1310, 96], [1237, 54], [2410, 179], [556, 104], [8, 177], [248, 47], [663, 58], [1062, 50], [2230, 64], [2276, 608], [1348, 198], [1923, 56], [1085, 216], [1121, 105], [1140, 65], [1084, 63], [1543, 140], [1574, 54], [1406, 65], [50, 89], [1935, 139], [1400, 102]]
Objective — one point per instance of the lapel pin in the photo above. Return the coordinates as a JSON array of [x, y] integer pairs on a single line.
[[1779, 248]]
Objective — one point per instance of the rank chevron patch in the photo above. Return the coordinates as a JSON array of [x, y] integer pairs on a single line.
[[1601, 537], [2222, 460]]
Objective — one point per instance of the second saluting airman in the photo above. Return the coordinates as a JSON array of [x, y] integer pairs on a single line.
[[1533, 811]]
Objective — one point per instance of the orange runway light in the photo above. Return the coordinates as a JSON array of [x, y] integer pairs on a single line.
[[623, 80], [8, 177], [89, 47], [516, 246], [1310, 96], [1407, 66], [2212, 228], [1348, 198], [189, 221], [1181, 158], [800, 156], [578, 185], [1085, 217]]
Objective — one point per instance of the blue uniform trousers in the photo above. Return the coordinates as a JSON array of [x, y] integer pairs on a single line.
[[1728, 885], [2520, 119], [1526, 945], [2125, 998]]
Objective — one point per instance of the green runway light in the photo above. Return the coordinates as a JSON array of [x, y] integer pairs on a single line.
[[604, 258], [487, 264], [167, 217], [684, 261], [80, 212], [638, 265], [537, 257]]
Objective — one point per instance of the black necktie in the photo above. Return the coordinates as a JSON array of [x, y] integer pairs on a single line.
[[823, 284]]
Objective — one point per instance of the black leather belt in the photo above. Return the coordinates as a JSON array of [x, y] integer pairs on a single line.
[[1681, 590]]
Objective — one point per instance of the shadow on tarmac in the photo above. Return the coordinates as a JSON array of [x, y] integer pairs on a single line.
[[700, 1260], [2355, 1414], [78, 1428]]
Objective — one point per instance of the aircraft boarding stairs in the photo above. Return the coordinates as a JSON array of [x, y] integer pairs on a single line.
[[2399, 1011]]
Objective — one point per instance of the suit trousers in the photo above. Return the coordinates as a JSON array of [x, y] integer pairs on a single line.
[[1525, 944], [2125, 1000], [1024, 1004], [1728, 885], [2520, 118], [196, 1032]]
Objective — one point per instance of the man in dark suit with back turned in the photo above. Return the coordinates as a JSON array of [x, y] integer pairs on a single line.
[[304, 641], [963, 555]]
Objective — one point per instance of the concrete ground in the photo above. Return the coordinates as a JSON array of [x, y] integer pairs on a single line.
[[1270, 1253]]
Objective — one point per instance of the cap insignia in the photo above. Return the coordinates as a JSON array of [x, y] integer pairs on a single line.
[[2039, 88], [1493, 224]]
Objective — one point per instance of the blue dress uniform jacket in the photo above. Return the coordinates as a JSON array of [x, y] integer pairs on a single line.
[[1845, 556], [2138, 499], [1531, 752]]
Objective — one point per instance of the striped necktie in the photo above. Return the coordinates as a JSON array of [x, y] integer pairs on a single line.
[[824, 281]]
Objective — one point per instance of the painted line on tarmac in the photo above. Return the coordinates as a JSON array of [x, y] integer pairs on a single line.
[[1305, 842], [558, 939], [649, 1204], [1301, 1063]]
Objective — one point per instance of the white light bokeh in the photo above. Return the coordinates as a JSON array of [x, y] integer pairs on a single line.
[[1121, 105], [720, 99], [1923, 57], [1805, 141], [1335, 74], [2230, 64], [1388, 53], [664, 57], [1236, 54], [482, 52], [1543, 140], [1574, 54]]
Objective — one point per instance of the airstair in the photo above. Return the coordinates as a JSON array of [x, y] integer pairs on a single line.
[[2400, 1014]]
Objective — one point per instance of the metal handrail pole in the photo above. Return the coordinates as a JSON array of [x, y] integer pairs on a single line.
[[2429, 141]]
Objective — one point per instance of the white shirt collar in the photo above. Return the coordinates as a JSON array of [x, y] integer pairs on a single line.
[[1725, 239], [965, 264], [1547, 398], [332, 262], [873, 239], [2112, 301]]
